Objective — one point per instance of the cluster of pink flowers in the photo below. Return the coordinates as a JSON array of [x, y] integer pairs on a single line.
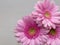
[[41, 27]]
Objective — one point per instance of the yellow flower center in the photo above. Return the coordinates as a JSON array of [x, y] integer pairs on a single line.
[[47, 14], [32, 32], [52, 31]]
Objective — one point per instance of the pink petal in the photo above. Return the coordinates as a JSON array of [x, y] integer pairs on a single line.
[[38, 21], [57, 41], [19, 33], [26, 42], [24, 39], [19, 29], [35, 13], [44, 38], [58, 18], [39, 6], [20, 36], [55, 9], [53, 43], [48, 23], [20, 23], [55, 21], [51, 24], [46, 4], [44, 21], [32, 42], [18, 39], [56, 14], [28, 20], [44, 31], [51, 5], [37, 41]]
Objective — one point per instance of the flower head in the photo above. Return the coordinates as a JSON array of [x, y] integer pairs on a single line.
[[28, 33], [46, 13], [54, 36]]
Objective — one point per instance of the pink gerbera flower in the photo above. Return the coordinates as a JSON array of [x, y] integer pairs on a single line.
[[28, 33], [54, 36], [46, 13]]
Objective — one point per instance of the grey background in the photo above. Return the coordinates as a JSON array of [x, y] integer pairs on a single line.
[[10, 12]]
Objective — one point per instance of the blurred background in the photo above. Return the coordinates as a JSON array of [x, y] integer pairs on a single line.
[[10, 12]]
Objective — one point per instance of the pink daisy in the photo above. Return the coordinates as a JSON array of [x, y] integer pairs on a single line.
[[46, 13], [54, 36], [28, 33]]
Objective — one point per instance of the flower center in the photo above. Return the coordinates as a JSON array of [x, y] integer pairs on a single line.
[[52, 31], [32, 32], [47, 14]]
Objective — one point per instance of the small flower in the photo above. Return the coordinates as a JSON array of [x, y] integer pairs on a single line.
[[54, 36], [46, 13], [28, 33]]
